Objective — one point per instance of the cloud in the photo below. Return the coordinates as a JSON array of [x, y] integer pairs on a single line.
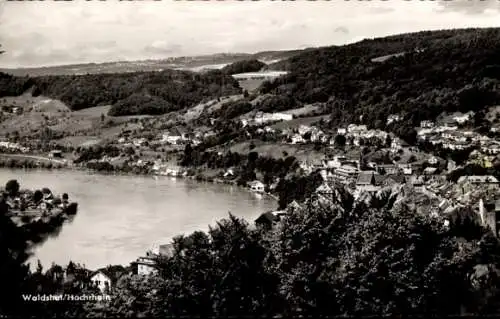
[[44, 33], [469, 7], [341, 30]]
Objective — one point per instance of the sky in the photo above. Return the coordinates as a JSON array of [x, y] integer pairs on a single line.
[[42, 33]]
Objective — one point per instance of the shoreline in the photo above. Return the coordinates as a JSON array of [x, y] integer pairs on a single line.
[[121, 172]]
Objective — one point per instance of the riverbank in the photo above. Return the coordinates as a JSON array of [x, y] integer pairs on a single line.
[[105, 168], [13, 161]]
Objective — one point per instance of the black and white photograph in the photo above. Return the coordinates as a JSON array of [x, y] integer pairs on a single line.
[[237, 159]]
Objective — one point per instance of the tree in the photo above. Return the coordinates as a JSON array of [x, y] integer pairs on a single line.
[[187, 158], [340, 140], [252, 157], [388, 141], [307, 136], [37, 196], [347, 259], [12, 187]]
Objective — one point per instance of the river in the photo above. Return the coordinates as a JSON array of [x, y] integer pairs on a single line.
[[120, 217]]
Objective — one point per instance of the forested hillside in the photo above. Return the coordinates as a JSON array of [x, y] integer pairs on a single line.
[[430, 72], [417, 75], [158, 92], [243, 66]]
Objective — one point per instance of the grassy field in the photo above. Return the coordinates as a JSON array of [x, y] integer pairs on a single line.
[[250, 85], [209, 107], [87, 126], [278, 150], [216, 106]]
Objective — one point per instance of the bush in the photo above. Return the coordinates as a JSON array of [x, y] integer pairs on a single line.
[[12, 187]]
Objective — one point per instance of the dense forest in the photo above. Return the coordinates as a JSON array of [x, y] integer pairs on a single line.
[[149, 93], [429, 72], [243, 67]]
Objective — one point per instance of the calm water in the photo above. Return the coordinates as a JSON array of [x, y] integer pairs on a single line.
[[120, 217]]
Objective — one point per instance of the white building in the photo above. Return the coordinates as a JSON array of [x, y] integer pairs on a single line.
[[461, 119], [256, 186], [102, 280], [145, 266], [393, 118], [261, 118], [303, 129], [336, 162], [433, 160], [426, 124], [297, 139], [172, 139], [353, 128]]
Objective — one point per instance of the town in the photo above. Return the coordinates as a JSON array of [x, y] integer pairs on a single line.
[[348, 180], [360, 160]]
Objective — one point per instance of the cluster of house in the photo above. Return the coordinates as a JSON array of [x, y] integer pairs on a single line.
[[480, 191], [449, 136], [370, 181], [16, 147], [354, 135], [175, 136], [26, 201], [261, 118], [166, 169]]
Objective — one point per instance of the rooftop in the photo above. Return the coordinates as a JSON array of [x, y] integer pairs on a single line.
[[366, 178]]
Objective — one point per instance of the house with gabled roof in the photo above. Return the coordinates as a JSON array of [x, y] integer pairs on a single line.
[[145, 265], [368, 181], [104, 279], [365, 178]]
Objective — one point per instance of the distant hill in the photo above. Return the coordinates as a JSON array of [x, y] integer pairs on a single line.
[[417, 75], [139, 93], [184, 63]]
